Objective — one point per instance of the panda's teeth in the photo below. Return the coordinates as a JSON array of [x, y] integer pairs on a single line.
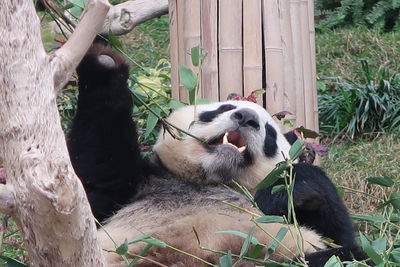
[[242, 149], [225, 139]]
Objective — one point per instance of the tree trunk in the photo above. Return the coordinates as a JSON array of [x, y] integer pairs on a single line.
[[42, 192]]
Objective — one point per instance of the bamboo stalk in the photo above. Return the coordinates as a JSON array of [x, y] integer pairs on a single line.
[[252, 46], [273, 56], [183, 94], [298, 62], [313, 62], [307, 66], [230, 48], [174, 47], [209, 38], [289, 83], [191, 31]]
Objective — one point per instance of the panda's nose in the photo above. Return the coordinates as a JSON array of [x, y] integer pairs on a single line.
[[246, 117]]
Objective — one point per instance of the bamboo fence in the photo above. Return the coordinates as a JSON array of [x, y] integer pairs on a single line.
[[249, 44]]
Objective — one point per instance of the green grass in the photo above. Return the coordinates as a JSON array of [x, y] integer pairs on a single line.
[[338, 52], [148, 43], [349, 164]]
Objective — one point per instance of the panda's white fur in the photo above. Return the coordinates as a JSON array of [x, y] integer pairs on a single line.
[[185, 194], [190, 159], [175, 219]]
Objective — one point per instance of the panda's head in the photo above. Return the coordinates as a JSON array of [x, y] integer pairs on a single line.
[[241, 142]]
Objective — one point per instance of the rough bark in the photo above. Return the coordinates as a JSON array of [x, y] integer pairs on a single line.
[[122, 18], [42, 192]]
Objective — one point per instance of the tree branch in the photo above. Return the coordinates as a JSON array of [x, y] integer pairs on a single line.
[[67, 58], [122, 18], [7, 202]]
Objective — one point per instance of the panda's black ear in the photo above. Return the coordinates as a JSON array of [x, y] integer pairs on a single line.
[[291, 137]]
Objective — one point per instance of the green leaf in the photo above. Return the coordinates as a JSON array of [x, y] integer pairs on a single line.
[[376, 219], [383, 181], [13, 262], [333, 262], [202, 101], [79, 5], [192, 97], [151, 121], [277, 188], [114, 41], [123, 249], [253, 240], [395, 201], [246, 243], [307, 133], [145, 236], [366, 246], [226, 261], [278, 238], [155, 242], [256, 251], [270, 219], [296, 149], [379, 244], [175, 104], [187, 78], [197, 55], [395, 255], [273, 176]]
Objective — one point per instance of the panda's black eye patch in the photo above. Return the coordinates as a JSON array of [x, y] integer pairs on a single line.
[[208, 116], [270, 145]]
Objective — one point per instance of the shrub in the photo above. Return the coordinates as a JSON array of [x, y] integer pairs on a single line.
[[360, 108], [382, 14]]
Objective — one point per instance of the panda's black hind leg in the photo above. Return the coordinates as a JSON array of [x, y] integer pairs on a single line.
[[102, 141]]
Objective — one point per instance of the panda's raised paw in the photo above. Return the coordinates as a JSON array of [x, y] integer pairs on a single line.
[[106, 61]]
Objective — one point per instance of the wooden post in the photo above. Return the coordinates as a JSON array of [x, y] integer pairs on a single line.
[[250, 44], [252, 47], [230, 48], [209, 41]]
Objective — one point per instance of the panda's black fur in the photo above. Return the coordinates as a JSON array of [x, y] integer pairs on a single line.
[[317, 206], [159, 198]]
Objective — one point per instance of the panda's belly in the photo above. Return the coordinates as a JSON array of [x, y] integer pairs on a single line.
[[182, 221]]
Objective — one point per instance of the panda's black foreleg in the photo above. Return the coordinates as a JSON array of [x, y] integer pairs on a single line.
[[102, 141], [318, 259], [316, 204]]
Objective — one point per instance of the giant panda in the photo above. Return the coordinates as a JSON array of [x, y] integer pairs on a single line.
[[178, 195]]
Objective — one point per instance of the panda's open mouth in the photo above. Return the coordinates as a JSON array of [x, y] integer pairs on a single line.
[[233, 138]]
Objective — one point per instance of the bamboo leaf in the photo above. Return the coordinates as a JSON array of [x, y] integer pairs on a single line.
[[278, 238], [296, 149], [366, 246], [13, 262], [273, 176], [333, 262], [376, 219], [196, 54], [175, 104], [270, 219], [246, 243], [256, 251], [253, 240], [122, 249], [277, 188], [395, 255], [187, 78], [145, 236], [226, 261], [155, 242], [151, 121], [383, 181]]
